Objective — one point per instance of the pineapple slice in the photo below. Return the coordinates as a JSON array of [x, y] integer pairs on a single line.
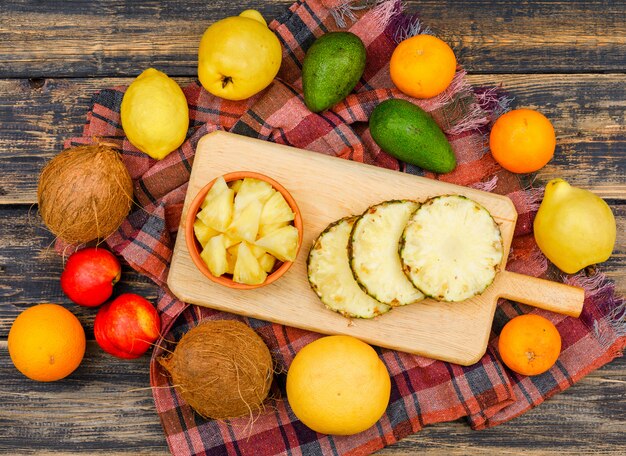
[[218, 187], [236, 185], [331, 278], [451, 248], [265, 229], [245, 224], [282, 243], [247, 269], [267, 262], [252, 190], [217, 212], [214, 256], [203, 232], [374, 256], [276, 210]]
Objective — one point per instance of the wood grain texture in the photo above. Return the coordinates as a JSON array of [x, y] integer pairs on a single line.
[[78, 38], [587, 112], [576, 48], [104, 406], [333, 189], [544, 294], [30, 270]]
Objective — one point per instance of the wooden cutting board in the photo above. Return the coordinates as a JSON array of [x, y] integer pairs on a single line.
[[326, 189]]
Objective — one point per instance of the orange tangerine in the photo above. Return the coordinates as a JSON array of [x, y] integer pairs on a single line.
[[422, 66], [529, 344], [522, 140]]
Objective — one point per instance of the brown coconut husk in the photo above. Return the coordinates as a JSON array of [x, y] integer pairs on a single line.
[[84, 193], [222, 369]]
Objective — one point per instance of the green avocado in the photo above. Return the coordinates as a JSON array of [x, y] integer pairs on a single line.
[[410, 134], [332, 67]]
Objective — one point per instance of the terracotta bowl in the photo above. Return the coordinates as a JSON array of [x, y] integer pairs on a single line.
[[194, 247]]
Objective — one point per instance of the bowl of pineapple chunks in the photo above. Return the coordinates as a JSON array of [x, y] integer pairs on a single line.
[[243, 230]]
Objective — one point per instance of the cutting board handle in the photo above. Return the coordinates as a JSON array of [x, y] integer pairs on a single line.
[[544, 294]]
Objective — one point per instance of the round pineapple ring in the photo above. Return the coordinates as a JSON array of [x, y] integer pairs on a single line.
[[243, 238], [331, 278], [373, 253], [451, 248]]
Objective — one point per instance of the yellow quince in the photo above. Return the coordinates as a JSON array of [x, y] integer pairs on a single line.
[[574, 228], [239, 56]]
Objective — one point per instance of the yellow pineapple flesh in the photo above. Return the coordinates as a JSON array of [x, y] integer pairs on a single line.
[[218, 187], [265, 229], [217, 212], [374, 256], [282, 243], [247, 269], [267, 262], [276, 210], [214, 256], [451, 248], [331, 278], [203, 232], [252, 190], [245, 224]]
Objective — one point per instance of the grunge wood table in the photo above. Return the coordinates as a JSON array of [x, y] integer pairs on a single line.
[[566, 58]]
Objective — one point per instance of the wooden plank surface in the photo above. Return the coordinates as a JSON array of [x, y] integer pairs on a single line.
[[566, 58], [329, 191], [30, 269], [490, 36], [587, 112], [105, 407]]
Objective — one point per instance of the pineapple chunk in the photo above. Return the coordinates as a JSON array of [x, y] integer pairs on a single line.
[[203, 232], [231, 241], [331, 278], [252, 190], [232, 250], [451, 248], [282, 243], [257, 251], [245, 224], [374, 256], [247, 269], [265, 229], [236, 185], [276, 210], [267, 262], [214, 256], [231, 260], [218, 210], [218, 187]]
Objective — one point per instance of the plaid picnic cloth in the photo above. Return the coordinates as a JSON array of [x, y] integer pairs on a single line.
[[423, 391]]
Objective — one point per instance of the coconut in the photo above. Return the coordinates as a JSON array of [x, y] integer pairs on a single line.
[[222, 369], [84, 193]]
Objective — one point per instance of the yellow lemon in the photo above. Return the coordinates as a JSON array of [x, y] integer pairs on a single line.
[[155, 115], [338, 385], [239, 56]]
